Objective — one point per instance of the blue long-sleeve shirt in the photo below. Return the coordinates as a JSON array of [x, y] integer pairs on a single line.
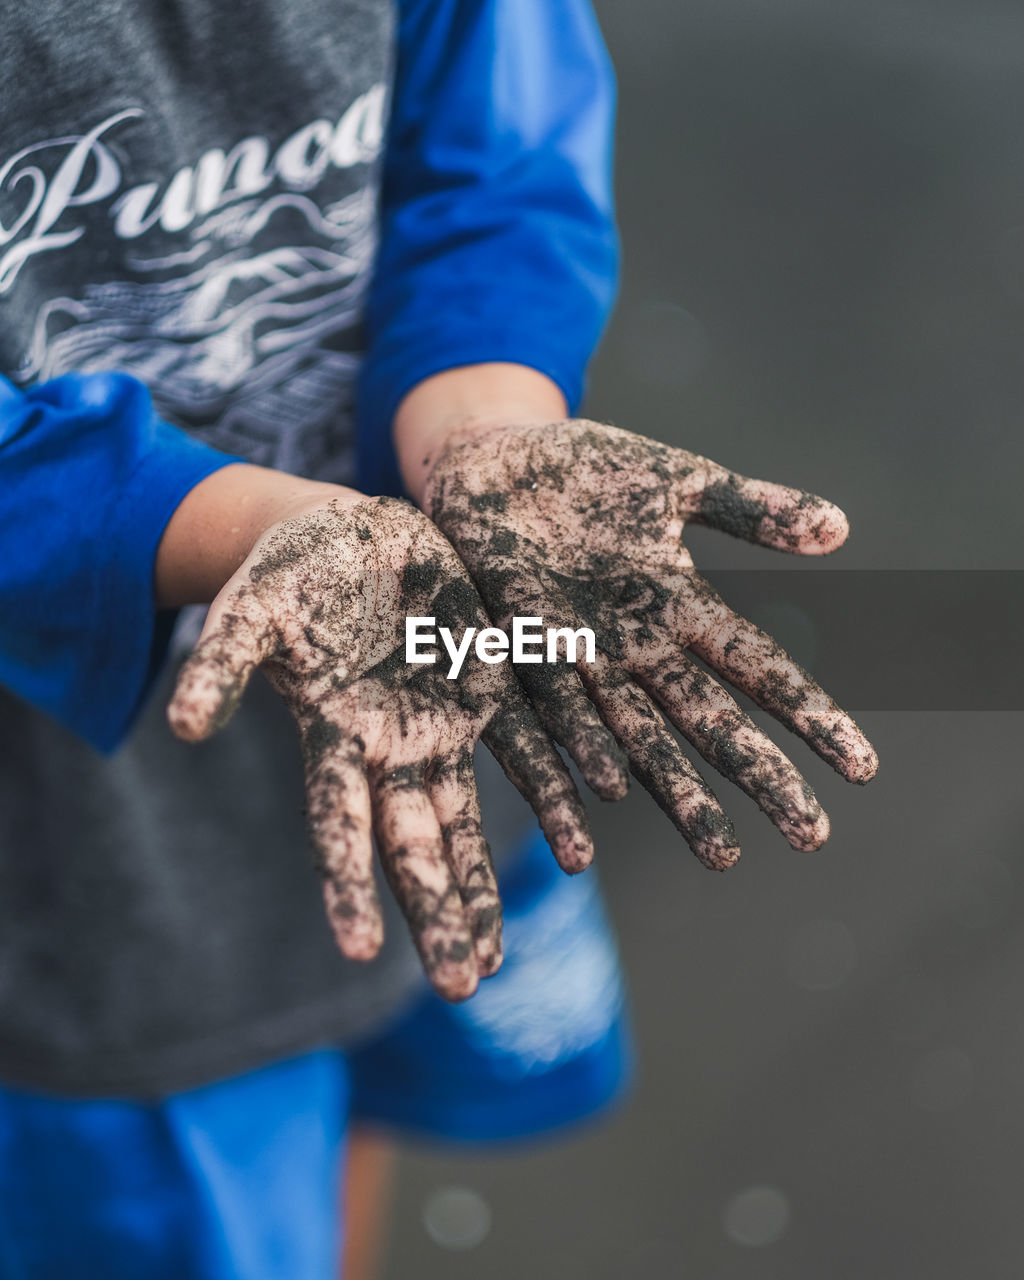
[[498, 236], [497, 243]]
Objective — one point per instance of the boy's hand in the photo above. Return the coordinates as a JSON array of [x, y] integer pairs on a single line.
[[581, 524], [320, 604]]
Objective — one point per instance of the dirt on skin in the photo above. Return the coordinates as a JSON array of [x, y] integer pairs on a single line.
[[321, 605], [581, 524]]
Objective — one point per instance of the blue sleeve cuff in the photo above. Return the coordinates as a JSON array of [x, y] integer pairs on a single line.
[[387, 381], [94, 477], [130, 658], [498, 238]]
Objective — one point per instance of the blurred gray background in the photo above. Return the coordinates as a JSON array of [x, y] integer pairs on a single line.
[[822, 206]]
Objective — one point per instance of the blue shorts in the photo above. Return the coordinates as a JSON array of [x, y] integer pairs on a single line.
[[240, 1180]]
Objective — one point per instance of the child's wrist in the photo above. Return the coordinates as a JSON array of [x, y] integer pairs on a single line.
[[218, 522], [473, 399]]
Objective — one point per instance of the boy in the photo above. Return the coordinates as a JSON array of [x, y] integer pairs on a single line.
[[189, 205]]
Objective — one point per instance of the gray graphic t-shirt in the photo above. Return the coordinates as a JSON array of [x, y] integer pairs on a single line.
[[188, 194]]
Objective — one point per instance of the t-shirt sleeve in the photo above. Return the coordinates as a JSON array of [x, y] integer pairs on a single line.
[[498, 240], [89, 478]]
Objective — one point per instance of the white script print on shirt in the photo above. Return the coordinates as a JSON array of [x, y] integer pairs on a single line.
[[246, 333]]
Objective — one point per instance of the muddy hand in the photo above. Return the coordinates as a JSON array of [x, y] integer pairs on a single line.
[[581, 524], [320, 605]]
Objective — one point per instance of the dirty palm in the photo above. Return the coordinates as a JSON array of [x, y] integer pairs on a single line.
[[575, 522]]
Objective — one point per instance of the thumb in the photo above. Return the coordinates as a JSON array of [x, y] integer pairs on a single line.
[[237, 637], [758, 511]]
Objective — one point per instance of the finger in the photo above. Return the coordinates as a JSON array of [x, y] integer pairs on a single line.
[[452, 790], [750, 660], [659, 765], [571, 719], [338, 800], [412, 855], [516, 740], [213, 677], [758, 511], [730, 741], [555, 689]]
